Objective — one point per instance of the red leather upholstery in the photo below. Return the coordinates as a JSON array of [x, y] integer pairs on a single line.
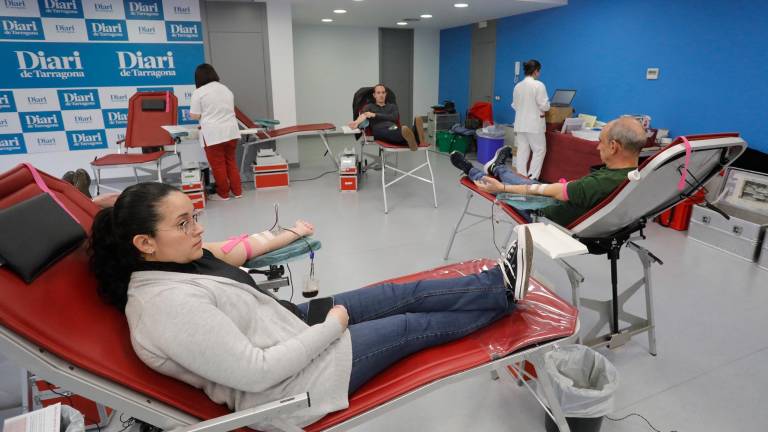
[[144, 126], [313, 127], [281, 132], [144, 129], [568, 157], [244, 119], [508, 209], [542, 316], [61, 312], [128, 158]]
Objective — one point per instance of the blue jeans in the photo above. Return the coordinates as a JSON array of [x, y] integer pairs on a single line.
[[503, 173], [507, 176], [388, 322]]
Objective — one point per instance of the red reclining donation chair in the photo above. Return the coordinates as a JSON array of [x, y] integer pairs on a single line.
[[663, 180], [147, 111], [58, 328]]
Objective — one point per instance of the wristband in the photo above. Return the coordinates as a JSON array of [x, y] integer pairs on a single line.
[[564, 182]]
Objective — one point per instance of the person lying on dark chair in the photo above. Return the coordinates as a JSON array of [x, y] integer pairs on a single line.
[[383, 118], [619, 147]]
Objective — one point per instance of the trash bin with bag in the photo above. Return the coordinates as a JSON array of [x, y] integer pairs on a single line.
[[584, 383]]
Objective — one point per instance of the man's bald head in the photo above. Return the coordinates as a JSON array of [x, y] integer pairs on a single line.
[[628, 132]]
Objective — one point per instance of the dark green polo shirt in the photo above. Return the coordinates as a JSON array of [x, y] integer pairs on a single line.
[[585, 193]]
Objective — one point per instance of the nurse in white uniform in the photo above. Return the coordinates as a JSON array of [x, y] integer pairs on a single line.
[[530, 102], [214, 105]]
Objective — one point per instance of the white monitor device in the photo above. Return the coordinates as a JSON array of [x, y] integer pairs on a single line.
[[572, 124]]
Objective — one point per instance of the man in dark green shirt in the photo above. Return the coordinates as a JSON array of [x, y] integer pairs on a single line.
[[383, 118], [619, 147]]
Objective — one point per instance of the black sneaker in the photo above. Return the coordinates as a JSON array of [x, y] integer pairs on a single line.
[[459, 161], [516, 264], [503, 154]]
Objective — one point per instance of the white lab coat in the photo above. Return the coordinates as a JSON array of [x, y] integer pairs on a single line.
[[530, 101], [215, 104]]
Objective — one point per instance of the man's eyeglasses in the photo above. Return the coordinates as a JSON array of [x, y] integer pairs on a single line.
[[185, 225]]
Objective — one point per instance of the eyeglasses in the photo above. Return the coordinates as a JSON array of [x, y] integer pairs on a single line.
[[186, 225]]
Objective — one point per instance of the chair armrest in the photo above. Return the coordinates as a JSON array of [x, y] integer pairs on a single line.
[[294, 250], [266, 122], [246, 417]]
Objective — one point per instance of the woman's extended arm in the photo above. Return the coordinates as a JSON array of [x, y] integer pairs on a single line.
[[258, 244]]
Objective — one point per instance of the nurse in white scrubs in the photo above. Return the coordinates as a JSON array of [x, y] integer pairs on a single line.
[[214, 105], [530, 101]]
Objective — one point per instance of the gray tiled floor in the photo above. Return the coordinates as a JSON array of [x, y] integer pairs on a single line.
[[710, 374]]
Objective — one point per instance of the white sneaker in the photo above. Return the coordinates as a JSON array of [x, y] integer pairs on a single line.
[[217, 197], [516, 264]]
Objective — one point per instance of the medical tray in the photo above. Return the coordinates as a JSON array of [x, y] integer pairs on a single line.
[[744, 197]]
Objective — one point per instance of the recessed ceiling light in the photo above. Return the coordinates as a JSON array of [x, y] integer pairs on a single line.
[[460, 5], [402, 23], [426, 16], [339, 11], [358, 0], [326, 20]]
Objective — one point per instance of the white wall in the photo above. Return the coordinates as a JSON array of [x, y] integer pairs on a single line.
[[426, 69], [332, 63], [280, 35]]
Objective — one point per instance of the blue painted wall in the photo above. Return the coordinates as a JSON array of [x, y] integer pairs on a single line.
[[455, 51], [713, 57]]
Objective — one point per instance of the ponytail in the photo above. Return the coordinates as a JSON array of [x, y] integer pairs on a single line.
[[113, 257]]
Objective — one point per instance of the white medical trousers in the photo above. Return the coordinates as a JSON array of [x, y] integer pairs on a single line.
[[527, 143]]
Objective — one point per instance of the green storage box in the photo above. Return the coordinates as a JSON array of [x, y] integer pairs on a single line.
[[461, 143], [448, 142], [444, 141]]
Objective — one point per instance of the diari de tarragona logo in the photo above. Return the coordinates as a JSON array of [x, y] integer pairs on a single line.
[[15, 4], [41, 121], [37, 64], [144, 9], [60, 8], [86, 139], [78, 99], [115, 118], [106, 30], [183, 31], [7, 103], [12, 144], [138, 64], [21, 28]]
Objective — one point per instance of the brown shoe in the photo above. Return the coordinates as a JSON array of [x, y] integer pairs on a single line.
[[409, 137], [82, 181], [68, 177], [420, 130]]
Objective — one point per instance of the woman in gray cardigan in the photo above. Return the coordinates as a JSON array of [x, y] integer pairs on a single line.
[[194, 315]]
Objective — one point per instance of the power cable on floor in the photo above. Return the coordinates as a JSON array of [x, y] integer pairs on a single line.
[[313, 178], [638, 415]]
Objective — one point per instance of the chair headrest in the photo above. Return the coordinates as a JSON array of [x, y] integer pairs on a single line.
[[653, 187]]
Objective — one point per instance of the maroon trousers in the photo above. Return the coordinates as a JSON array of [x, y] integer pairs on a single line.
[[224, 167]]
